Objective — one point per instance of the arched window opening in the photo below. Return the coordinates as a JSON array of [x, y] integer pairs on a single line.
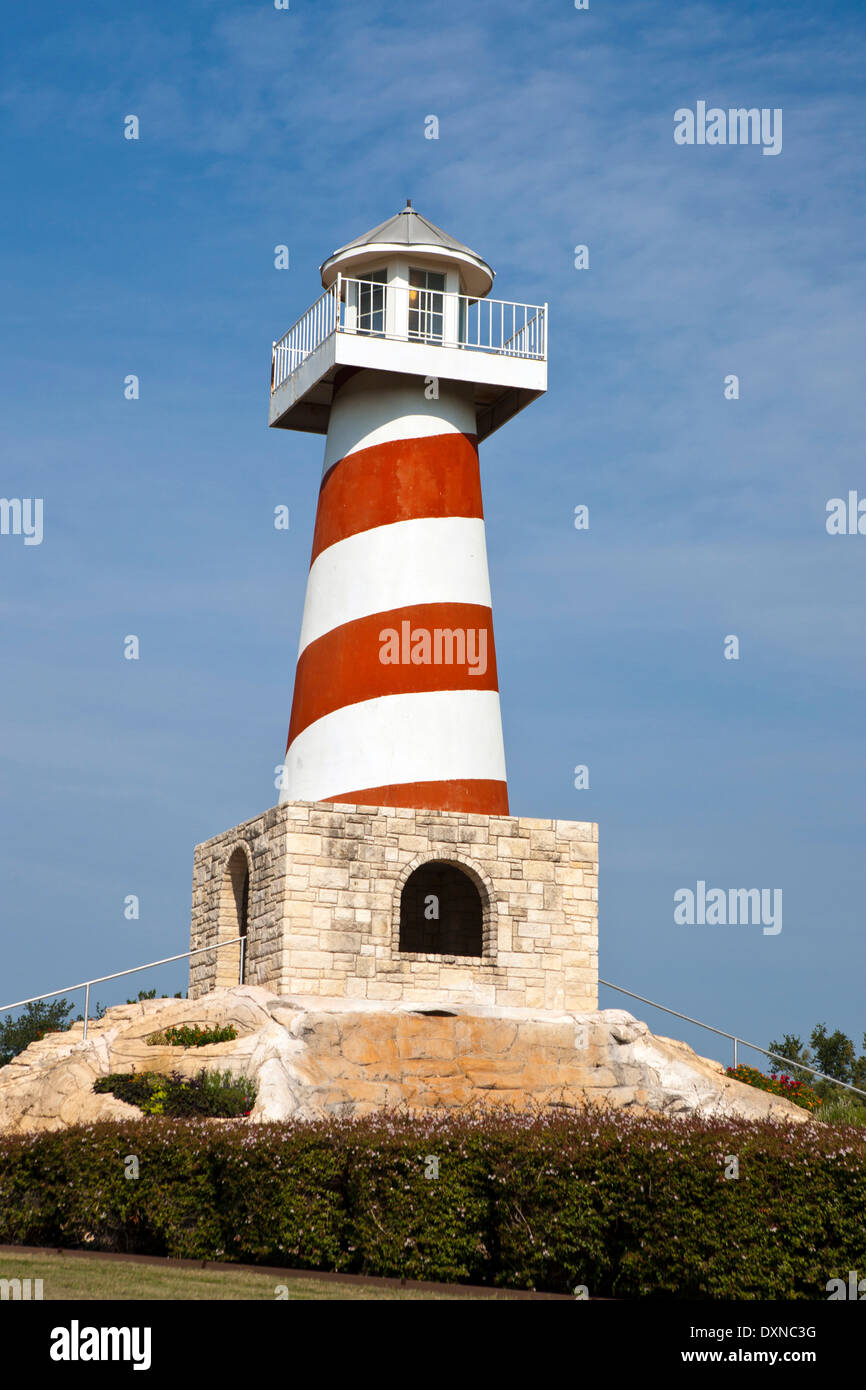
[[243, 919], [232, 963], [441, 912]]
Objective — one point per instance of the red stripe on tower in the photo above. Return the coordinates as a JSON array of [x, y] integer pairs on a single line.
[[399, 481], [431, 646]]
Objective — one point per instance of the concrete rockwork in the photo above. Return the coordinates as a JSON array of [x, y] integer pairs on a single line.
[[313, 1057]]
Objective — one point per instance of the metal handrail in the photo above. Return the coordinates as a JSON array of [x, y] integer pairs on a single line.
[[100, 979], [490, 332], [306, 334], [765, 1051], [503, 326]]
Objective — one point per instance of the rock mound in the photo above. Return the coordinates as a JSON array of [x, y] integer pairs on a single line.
[[313, 1057]]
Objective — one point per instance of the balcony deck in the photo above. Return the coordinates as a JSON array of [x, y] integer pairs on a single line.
[[498, 346]]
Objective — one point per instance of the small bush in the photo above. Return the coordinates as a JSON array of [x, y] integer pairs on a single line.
[[782, 1085], [192, 1035], [216, 1094], [842, 1110]]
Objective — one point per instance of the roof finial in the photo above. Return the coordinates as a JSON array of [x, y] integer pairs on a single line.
[[408, 203]]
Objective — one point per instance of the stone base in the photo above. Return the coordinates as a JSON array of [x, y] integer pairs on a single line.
[[323, 907], [315, 1057]]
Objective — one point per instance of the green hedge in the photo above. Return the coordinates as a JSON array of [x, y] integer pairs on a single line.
[[629, 1206]]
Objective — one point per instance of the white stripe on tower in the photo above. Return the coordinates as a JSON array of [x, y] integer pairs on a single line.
[[397, 740], [380, 410], [399, 548], [396, 566]]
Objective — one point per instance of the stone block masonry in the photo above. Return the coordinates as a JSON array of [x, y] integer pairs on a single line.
[[320, 889]]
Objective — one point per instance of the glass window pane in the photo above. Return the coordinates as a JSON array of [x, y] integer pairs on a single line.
[[426, 304], [371, 302]]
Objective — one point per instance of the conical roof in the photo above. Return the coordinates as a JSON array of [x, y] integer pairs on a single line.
[[409, 229]]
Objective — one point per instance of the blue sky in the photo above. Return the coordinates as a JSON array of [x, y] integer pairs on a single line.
[[707, 516]]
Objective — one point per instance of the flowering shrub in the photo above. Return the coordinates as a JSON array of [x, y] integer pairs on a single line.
[[192, 1035], [208, 1093], [632, 1206], [781, 1085]]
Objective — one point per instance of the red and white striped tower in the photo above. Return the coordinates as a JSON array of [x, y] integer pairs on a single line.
[[396, 699]]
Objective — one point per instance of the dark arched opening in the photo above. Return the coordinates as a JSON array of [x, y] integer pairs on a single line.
[[441, 912], [243, 922], [232, 963]]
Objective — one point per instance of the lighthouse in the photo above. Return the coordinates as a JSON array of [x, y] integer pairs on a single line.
[[405, 363], [391, 868]]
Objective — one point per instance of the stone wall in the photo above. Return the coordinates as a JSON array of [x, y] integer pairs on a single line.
[[325, 894]]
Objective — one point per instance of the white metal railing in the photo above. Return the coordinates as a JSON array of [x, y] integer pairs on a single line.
[[100, 979], [765, 1051], [311, 329], [403, 313]]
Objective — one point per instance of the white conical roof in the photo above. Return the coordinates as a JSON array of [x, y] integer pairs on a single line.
[[405, 229]]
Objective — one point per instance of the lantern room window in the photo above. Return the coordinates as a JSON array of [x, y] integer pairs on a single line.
[[371, 302], [426, 304]]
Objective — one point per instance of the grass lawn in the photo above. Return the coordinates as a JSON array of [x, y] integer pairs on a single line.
[[92, 1278]]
